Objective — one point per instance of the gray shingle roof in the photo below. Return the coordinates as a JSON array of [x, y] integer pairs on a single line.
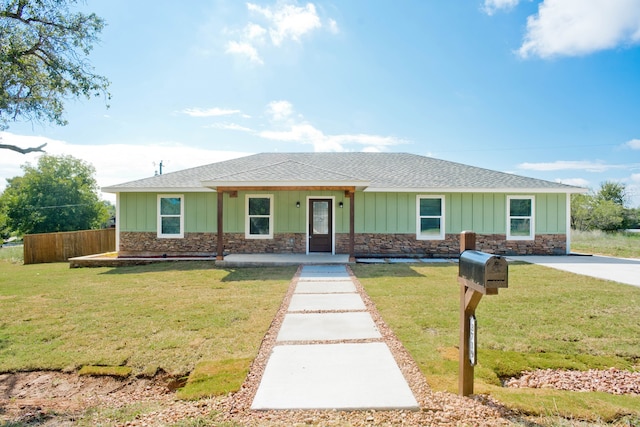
[[371, 171]]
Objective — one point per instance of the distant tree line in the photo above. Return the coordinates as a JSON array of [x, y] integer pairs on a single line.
[[606, 209], [60, 193]]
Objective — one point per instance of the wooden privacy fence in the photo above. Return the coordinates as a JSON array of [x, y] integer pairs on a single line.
[[59, 247]]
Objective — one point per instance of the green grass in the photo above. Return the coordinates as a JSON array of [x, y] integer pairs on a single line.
[[215, 378], [190, 318], [621, 244], [13, 254], [147, 318], [545, 319]]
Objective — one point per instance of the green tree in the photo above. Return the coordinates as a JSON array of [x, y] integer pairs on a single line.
[[43, 61], [603, 210], [4, 229], [632, 218], [59, 194], [614, 192], [580, 211], [606, 216]]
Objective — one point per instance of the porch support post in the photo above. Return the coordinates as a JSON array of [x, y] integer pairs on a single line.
[[352, 257], [220, 251]]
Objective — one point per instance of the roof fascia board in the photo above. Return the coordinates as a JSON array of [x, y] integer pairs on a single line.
[[476, 190], [358, 187], [156, 190]]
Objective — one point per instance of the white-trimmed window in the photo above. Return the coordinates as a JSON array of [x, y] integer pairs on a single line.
[[170, 215], [520, 217], [430, 218], [259, 216]]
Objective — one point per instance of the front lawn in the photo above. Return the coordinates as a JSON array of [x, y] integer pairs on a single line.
[[167, 316], [189, 317], [545, 319]]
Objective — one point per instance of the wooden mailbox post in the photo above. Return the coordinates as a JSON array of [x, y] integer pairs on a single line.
[[479, 274]]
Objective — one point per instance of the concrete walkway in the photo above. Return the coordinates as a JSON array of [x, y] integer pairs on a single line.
[[621, 270], [329, 353]]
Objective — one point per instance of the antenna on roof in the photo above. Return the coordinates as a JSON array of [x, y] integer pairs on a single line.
[[156, 171]]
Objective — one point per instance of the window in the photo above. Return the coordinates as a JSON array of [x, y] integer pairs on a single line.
[[520, 224], [430, 218], [170, 216], [259, 219]]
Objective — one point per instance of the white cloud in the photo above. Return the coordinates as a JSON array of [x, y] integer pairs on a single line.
[[283, 21], [569, 165], [279, 110], [288, 21], [293, 128], [492, 6], [634, 144], [114, 163], [579, 27], [255, 32], [209, 112], [244, 49]]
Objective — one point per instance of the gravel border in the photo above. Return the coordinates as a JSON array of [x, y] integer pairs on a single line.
[[436, 408]]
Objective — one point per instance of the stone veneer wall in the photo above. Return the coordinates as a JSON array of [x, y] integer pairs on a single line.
[[145, 244], [365, 244], [283, 243]]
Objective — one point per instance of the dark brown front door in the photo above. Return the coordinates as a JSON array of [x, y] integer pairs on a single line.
[[320, 228]]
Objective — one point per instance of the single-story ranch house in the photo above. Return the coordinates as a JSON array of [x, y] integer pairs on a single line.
[[361, 204]]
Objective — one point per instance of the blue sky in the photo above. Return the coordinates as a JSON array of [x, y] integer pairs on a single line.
[[548, 89]]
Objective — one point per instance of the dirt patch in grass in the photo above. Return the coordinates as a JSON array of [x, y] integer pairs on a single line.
[[38, 394]]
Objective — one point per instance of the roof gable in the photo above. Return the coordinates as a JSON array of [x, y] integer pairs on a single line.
[[283, 171]]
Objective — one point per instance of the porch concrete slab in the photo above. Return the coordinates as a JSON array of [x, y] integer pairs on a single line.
[[327, 327], [325, 287], [326, 302], [333, 376]]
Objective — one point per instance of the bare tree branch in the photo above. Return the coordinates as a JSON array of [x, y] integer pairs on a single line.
[[23, 150]]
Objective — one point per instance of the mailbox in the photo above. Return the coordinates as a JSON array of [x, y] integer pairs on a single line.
[[483, 272]]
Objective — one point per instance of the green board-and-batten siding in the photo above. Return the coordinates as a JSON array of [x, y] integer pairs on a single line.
[[484, 213], [395, 213]]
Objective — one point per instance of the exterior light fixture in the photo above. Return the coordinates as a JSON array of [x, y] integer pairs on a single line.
[[341, 205], [297, 204]]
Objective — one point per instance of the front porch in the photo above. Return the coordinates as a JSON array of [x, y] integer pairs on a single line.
[[230, 260]]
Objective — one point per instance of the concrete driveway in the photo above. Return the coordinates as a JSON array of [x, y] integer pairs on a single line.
[[622, 270]]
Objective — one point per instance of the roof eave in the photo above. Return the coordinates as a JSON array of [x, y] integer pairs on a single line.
[[116, 189], [536, 190]]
